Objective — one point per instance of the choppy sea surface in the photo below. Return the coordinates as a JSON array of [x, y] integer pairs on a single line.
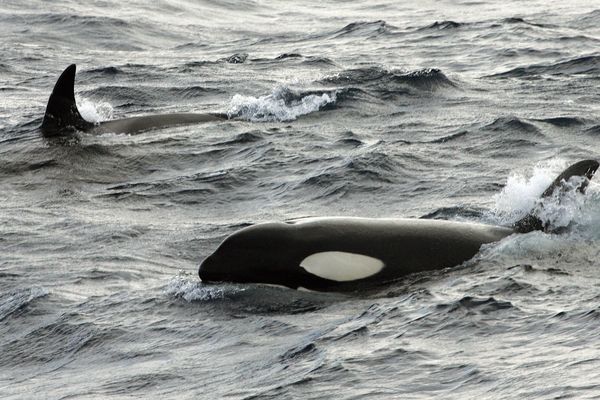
[[460, 110]]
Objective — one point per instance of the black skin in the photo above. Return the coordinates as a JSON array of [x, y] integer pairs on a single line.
[[62, 116], [272, 252]]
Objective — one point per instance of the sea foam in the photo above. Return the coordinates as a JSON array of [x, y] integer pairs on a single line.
[[522, 192], [281, 105]]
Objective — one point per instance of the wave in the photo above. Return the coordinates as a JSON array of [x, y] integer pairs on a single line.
[[500, 138], [248, 298], [84, 27], [563, 122], [237, 58], [471, 304], [450, 25], [594, 130], [125, 95], [455, 213], [104, 71], [581, 65], [182, 287], [528, 268], [300, 351], [521, 21], [115, 33], [297, 58], [284, 104], [521, 195], [365, 29], [124, 385], [95, 111], [80, 20], [521, 192], [507, 285], [56, 341], [245, 138], [144, 96], [512, 124], [450, 137], [288, 55], [385, 82], [350, 139], [443, 25], [12, 168], [370, 171], [187, 189], [5, 68], [372, 168], [13, 302], [587, 21], [428, 78], [306, 60]]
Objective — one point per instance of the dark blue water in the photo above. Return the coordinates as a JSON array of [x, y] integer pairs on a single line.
[[455, 110]]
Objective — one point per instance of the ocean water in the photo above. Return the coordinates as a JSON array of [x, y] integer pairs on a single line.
[[460, 110]]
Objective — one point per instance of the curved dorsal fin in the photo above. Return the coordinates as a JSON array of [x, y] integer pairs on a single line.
[[61, 111], [584, 169]]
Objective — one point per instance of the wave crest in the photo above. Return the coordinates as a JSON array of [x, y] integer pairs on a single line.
[[182, 287], [521, 196], [284, 104], [12, 302], [366, 29], [576, 66], [95, 111], [391, 80]]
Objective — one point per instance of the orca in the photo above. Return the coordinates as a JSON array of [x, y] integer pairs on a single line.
[[349, 254], [63, 117]]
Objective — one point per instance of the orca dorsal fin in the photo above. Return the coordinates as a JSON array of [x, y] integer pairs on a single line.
[[61, 112], [584, 169]]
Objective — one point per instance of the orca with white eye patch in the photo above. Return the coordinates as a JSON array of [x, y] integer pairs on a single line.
[[349, 254]]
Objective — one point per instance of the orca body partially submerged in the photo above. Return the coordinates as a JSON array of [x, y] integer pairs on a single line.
[[348, 254], [62, 115]]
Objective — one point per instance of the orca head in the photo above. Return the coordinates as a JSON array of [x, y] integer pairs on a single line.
[[256, 254]]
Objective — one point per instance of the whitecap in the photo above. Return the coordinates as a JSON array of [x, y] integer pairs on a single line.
[[190, 289], [281, 105], [94, 111], [521, 196]]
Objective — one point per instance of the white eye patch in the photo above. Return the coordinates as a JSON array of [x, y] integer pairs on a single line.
[[341, 266]]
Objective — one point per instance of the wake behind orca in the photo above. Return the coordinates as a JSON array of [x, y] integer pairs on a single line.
[[62, 115], [348, 254]]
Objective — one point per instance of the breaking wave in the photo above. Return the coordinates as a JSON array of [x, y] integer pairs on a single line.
[[522, 193], [95, 111], [284, 104]]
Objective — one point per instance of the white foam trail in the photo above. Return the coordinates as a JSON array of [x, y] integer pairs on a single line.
[[521, 195], [95, 112], [277, 106], [191, 289], [564, 207], [274, 106]]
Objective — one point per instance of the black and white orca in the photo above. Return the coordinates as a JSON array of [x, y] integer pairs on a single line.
[[349, 254], [62, 115]]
